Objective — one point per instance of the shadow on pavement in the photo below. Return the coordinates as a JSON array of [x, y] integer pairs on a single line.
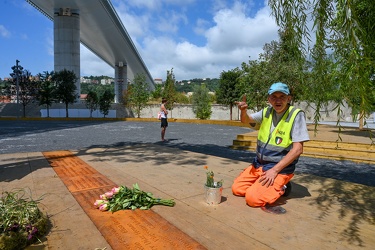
[[355, 202]]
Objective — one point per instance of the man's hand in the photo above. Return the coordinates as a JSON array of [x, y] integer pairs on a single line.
[[242, 105], [245, 118], [268, 177]]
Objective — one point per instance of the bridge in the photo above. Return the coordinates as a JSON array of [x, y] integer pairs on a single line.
[[96, 25]]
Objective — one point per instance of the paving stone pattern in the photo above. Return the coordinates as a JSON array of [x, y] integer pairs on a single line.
[[38, 136]]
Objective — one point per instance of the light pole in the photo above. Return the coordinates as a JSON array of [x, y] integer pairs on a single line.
[[18, 84]]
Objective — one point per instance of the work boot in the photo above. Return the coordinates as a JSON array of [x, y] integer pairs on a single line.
[[288, 189]]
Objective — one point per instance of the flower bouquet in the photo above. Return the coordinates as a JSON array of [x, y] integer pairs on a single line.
[[122, 198], [21, 221]]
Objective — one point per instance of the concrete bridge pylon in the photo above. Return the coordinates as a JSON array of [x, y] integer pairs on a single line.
[[96, 25]]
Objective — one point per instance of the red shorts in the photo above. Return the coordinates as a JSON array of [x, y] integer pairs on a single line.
[[256, 195]]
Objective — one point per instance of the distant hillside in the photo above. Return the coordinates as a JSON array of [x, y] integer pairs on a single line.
[[187, 85]]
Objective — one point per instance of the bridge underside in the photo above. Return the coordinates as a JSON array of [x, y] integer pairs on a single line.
[[96, 25]]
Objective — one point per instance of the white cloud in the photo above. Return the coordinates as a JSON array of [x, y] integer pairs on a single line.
[[234, 30], [93, 65], [231, 37], [171, 22], [234, 38], [148, 4], [4, 32]]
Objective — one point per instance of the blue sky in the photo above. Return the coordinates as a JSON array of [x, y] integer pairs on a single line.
[[197, 38]]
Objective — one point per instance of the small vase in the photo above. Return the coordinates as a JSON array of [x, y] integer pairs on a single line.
[[213, 195]]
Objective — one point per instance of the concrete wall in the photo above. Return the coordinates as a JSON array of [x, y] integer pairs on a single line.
[[220, 112], [76, 113]]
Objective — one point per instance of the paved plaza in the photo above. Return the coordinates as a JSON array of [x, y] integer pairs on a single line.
[[43, 135], [331, 206]]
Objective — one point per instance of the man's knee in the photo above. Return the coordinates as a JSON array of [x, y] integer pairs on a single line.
[[254, 201], [237, 190]]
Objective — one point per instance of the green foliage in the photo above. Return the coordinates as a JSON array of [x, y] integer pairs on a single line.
[[92, 101], [105, 102], [182, 98], [277, 63], [157, 93], [201, 102], [138, 94], [64, 81], [228, 91], [98, 88], [46, 91], [210, 181], [345, 28], [124, 198], [254, 84], [169, 91], [229, 88], [355, 55], [21, 221], [188, 85], [283, 64], [27, 87]]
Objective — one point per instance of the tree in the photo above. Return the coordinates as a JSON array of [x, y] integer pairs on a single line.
[[181, 98], [355, 56], [27, 88], [276, 64], [229, 91], [157, 93], [105, 102], [46, 91], [64, 81], [345, 28], [201, 102], [92, 101], [138, 94], [254, 83], [169, 91], [282, 64]]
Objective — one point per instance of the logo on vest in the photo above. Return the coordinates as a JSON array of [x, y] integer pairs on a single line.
[[280, 132], [278, 140]]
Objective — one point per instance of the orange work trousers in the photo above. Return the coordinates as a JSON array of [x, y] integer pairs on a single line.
[[256, 195]]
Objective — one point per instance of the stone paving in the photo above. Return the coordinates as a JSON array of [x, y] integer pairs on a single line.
[[322, 212]]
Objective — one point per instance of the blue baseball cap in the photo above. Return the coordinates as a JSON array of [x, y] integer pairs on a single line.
[[279, 87]]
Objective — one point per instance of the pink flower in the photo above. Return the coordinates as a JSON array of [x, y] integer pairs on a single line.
[[97, 203], [103, 197], [104, 207], [109, 194], [115, 190]]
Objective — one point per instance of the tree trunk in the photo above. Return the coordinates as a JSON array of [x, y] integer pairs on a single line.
[[361, 120], [24, 110], [66, 109], [231, 108]]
